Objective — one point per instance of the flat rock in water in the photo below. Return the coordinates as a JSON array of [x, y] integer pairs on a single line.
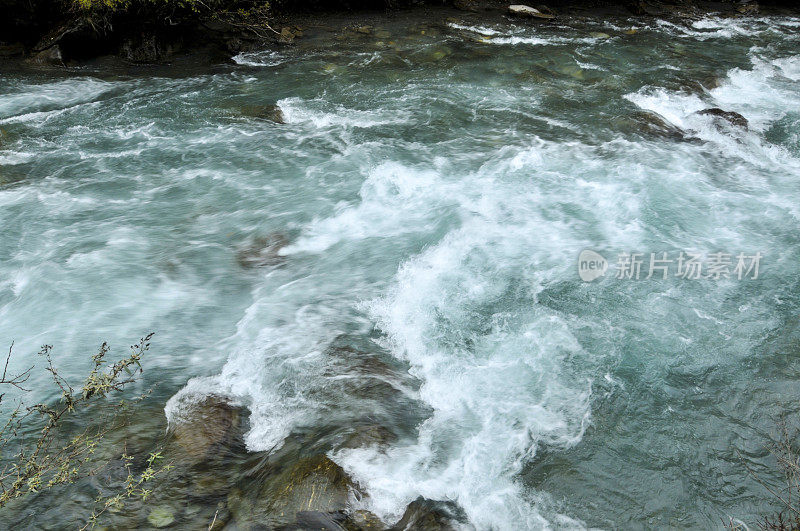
[[734, 118], [519, 10]]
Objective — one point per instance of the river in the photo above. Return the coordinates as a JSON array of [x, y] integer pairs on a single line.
[[403, 252]]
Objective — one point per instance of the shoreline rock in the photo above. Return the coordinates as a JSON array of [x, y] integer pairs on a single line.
[[520, 10]]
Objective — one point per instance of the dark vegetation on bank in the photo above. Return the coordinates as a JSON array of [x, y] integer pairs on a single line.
[[56, 32]]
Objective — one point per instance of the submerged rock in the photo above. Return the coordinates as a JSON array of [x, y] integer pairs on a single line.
[[161, 516], [734, 118], [369, 435], [519, 10], [272, 113], [263, 251], [205, 426]]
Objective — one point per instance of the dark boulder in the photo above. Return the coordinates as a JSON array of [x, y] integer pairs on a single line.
[[647, 124], [428, 515], [271, 113], [733, 118]]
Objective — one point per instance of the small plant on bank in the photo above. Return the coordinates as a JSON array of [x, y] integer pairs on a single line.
[[37, 448]]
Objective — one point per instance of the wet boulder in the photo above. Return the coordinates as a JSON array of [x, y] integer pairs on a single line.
[[263, 251], [428, 515], [312, 489], [206, 426], [363, 521], [733, 118], [161, 516], [312, 484], [648, 124], [271, 113], [520, 10]]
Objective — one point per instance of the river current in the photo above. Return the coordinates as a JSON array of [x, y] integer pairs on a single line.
[[403, 253]]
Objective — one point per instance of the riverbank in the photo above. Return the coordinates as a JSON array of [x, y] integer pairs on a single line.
[[56, 38]]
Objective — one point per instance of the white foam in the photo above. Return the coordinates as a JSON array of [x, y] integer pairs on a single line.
[[263, 58], [760, 94], [321, 114], [482, 30], [493, 403], [29, 100], [394, 199]]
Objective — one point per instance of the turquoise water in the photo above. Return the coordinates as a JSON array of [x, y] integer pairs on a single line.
[[433, 186]]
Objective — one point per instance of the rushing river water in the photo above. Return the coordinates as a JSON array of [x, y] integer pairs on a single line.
[[422, 210]]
